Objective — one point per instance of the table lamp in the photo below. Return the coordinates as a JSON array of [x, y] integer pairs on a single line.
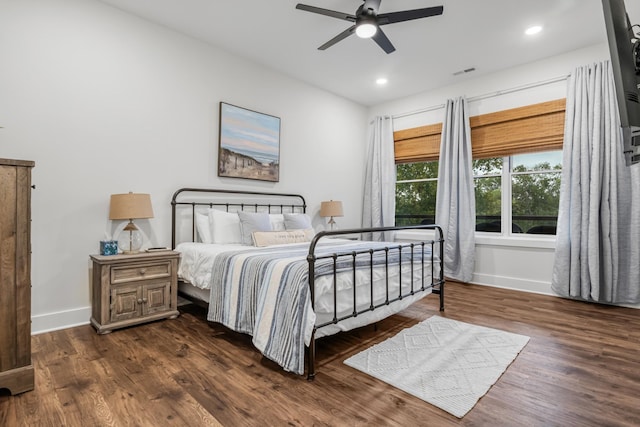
[[331, 209], [130, 206]]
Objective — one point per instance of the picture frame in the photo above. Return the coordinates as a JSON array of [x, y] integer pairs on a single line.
[[248, 144]]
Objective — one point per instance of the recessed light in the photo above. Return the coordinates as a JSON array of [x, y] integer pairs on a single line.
[[533, 30], [381, 81]]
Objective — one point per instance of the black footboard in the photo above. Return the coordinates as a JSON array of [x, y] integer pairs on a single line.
[[423, 257]]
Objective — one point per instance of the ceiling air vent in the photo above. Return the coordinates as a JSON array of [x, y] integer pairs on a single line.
[[467, 70]]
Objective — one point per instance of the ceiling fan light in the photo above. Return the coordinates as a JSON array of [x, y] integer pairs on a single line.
[[366, 30]]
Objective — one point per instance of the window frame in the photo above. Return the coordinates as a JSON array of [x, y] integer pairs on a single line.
[[406, 181], [511, 174], [493, 175], [508, 238], [506, 201]]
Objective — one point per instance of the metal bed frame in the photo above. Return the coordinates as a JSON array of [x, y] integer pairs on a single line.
[[298, 204]]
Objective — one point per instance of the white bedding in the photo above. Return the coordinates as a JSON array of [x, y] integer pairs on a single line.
[[197, 260], [364, 319]]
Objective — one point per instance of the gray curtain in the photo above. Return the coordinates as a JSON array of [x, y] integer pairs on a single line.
[[598, 236], [379, 203], [455, 199]]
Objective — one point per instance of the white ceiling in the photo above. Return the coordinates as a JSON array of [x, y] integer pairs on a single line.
[[487, 35]]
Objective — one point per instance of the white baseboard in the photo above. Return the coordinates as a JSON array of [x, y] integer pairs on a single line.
[[60, 320], [514, 283], [80, 316]]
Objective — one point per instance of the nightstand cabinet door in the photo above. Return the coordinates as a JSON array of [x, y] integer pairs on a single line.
[[139, 299], [133, 289], [156, 297], [124, 303]]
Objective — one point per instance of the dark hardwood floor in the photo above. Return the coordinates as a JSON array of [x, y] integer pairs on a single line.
[[580, 368]]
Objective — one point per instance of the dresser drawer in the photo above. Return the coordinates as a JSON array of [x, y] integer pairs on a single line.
[[136, 272]]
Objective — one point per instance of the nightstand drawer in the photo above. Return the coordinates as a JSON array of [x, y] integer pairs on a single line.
[[133, 273]]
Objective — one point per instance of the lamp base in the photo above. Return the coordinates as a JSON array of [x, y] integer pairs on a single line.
[[130, 240]]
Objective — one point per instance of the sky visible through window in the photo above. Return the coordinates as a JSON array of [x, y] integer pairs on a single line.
[[530, 160]]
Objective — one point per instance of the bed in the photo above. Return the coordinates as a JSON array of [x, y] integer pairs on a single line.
[[255, 261]]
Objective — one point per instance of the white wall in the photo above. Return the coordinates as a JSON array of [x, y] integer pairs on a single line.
[[105, 102], [516, 263], [523, 263]]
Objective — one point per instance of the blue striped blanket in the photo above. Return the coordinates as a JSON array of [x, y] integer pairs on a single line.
[[265, 293]]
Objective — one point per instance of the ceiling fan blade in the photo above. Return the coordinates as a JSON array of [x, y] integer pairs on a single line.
[[383, 41], [373, 5], [408, 15], [326, 12], [343, 35]]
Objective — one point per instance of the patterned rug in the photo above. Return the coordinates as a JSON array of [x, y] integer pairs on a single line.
[[447, 363]]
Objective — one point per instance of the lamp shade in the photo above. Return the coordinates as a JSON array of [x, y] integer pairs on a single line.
[[130, 206], [331, 208]]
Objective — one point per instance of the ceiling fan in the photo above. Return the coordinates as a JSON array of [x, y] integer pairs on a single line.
[[367, 22]]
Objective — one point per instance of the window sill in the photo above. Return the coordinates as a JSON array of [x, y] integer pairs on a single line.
[[522, 241], [483, 239]]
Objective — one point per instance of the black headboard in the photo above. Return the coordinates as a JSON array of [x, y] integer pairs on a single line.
[[230, 201]]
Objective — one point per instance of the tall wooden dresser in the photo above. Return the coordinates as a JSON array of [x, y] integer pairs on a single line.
[[16, 370]]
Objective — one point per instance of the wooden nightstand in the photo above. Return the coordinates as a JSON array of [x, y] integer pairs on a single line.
[[132, 289]]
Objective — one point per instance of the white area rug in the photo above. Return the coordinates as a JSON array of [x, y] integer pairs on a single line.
[[447, 363]]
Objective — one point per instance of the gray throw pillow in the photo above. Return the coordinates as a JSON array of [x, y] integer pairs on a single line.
[[297, 221], [250, 222]]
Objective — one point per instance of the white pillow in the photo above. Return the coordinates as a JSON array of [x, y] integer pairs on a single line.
[[277, 222], [203, 227], [253, 221], [225, 227], [298, 221], [268, 238]]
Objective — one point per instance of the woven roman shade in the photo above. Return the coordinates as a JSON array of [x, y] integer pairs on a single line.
[[537, 127], [420, 144]]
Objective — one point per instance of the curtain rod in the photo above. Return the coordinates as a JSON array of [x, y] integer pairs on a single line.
[[487, 95]]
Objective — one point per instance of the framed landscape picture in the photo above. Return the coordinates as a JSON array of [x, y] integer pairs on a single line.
[[249, 144]]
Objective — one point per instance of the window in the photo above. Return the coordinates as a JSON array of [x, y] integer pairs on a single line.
[[487, 177], [416, 185], [535, 191], [524, 189]]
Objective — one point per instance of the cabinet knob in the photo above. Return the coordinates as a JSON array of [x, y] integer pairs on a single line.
[[144, 300], [142, 271]]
